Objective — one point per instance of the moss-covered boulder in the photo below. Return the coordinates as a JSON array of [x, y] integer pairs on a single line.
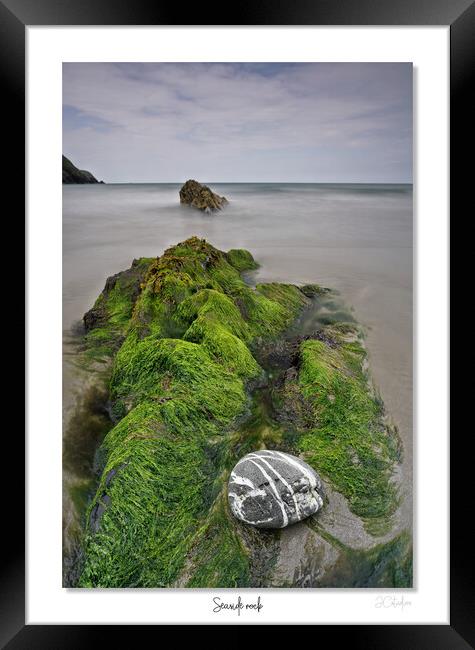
[[201, 197], [328, 397], [107, 321], [178, 387], [194, 386]]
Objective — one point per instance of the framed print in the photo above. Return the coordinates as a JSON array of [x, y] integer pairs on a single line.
[[237, 320]]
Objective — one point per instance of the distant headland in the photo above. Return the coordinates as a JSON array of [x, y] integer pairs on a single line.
[[71, 174]]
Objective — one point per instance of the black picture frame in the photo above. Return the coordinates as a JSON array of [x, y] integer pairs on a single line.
[[15, 15]]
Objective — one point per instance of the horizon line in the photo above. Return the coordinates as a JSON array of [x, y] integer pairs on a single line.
[[256, 182]]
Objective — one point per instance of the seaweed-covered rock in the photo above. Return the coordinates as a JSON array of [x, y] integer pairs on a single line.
[[327, 395], [106, 321], [270, 489], [201, 197], [187, 337], [180, 328]]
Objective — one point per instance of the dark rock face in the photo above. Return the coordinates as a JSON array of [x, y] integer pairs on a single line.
[[131, 278], [93, 318], [97, 512], [270, 489], [201, 197], [284, 354], [73, 175]]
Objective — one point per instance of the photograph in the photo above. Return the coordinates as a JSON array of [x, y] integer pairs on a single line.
[[237, 321]]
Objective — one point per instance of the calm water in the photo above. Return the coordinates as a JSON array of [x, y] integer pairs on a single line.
[[353, 238]]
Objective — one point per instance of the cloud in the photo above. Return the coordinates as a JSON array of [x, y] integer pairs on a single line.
[[74, 119], [239, 122]]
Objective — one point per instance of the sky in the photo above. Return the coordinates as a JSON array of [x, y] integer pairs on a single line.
[[239, 122]]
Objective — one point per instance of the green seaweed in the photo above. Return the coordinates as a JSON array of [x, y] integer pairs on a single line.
[[174, 395], [241, 259], [184, 332], [110, 316], [347, 439], [219, 556]]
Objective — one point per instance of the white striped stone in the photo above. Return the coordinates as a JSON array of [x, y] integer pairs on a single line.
[[271, 489]]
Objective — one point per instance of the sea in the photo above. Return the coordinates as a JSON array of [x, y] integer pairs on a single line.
[[356, 239]]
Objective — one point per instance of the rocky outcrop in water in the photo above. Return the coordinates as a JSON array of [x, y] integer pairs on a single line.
[[201, 197], [271, 489], [73, 175]]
